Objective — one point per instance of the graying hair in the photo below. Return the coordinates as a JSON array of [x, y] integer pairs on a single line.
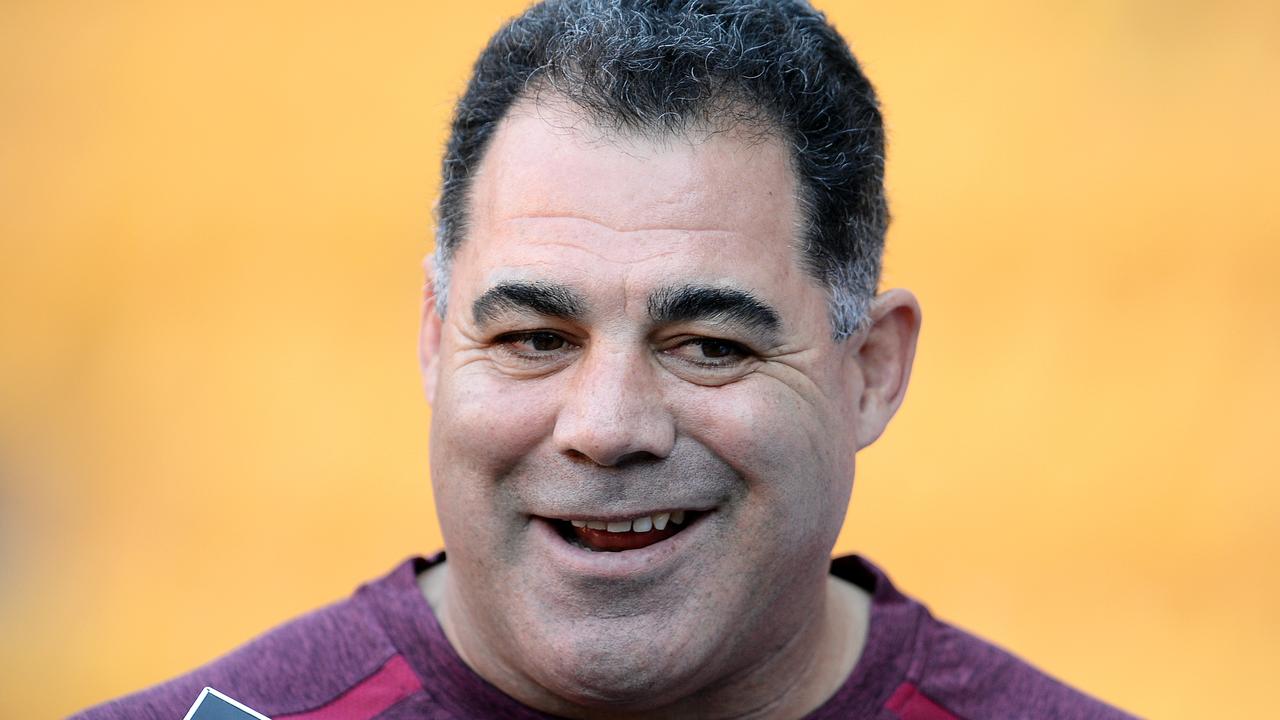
[[658, 67]]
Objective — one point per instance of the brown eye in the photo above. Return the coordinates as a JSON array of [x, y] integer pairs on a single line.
[[717, 348], [711, 352], [545, 342], [534, 349], [707, 360]]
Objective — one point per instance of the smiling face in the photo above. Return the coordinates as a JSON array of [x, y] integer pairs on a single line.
[[630, 341]]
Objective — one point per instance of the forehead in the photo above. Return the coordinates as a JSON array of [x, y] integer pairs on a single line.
[[556, 194]]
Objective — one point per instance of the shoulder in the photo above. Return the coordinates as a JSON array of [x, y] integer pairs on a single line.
[[301, 665], [940, 672], [973, 678]]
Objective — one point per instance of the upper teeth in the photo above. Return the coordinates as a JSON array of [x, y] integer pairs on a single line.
[[640, 524]]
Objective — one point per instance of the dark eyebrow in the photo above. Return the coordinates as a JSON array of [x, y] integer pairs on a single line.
[[706, 302], [540, 297]]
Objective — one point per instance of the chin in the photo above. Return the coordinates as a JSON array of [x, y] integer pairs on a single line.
[[616, 670]]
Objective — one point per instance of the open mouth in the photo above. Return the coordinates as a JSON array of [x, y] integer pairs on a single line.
[[620, 535]]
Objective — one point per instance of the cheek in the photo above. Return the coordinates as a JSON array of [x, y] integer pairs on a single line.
[[488, 422], [473, 447], [795, 457]]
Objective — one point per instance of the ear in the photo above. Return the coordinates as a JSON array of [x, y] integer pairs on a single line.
[[429, 336], [884, 356]]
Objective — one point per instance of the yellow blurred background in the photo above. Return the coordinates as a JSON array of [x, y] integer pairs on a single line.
[[211, 222]]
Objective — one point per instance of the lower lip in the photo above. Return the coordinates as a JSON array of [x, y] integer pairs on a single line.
[[620, 564]]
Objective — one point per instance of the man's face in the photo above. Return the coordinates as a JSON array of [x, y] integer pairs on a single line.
[[629, 338]]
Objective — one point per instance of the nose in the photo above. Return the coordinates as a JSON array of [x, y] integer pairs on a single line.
[[613, 412]]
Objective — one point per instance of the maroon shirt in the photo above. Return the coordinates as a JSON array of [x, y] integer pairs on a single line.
[[382, 654]]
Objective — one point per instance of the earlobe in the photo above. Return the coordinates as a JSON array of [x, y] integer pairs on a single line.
[[429, 338], [885, 357]]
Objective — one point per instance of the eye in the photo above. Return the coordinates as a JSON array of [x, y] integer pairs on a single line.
[[711, 352], [532, 346], [718, 348], [544, 341]]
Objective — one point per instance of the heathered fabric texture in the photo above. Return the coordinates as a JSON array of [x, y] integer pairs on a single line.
[[381, 654]]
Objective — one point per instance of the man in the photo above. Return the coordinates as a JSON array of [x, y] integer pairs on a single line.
[[653, 346]]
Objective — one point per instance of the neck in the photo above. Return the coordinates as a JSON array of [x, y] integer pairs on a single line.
[[787, 684], [804, 674]]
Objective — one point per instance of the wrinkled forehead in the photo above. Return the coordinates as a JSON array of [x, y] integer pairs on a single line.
[[636, 194]]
